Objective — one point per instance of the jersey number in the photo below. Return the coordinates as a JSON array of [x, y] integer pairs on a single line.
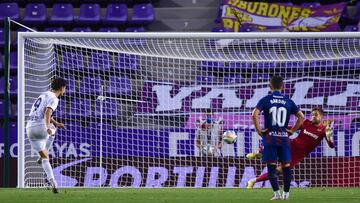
[[37, 104], [278, 116]]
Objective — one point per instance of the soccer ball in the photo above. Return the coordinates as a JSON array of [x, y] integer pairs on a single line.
[[229, 137]]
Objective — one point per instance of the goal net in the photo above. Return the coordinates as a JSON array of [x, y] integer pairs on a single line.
[[148, 109]]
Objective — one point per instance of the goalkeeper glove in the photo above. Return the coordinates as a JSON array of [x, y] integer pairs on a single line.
[[329, 132]]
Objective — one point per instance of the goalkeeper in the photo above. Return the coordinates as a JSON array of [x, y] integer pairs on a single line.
[[311, 134], [209, 135]]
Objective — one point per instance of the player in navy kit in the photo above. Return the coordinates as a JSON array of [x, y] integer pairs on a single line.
[[277, 110]]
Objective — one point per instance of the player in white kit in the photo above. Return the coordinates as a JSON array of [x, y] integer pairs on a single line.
[[41, 127], [208, 135]]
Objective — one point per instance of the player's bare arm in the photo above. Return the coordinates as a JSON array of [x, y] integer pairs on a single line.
[[57, 124], [300, 119], [256, 121]]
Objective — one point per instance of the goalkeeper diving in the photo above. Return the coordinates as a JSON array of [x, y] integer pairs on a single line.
[[312, 132]]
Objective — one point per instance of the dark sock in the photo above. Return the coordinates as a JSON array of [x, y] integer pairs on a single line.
[[287, 178], [273, 177]]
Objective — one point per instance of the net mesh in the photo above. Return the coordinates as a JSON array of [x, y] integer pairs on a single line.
[[134, 106]]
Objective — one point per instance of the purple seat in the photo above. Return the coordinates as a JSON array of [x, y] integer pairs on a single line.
[[116, 14], [212, 65], [61, 109], [109, 29], [73, 61], [266, 65], [89, 14], [62, 14], [54, 29], [80, 108], [311, 4], [35, 14], [9, 10], [126, 62], [100, 61], [70, 84], [81, 29], [233, 79], [239, 65], [260, 77], [206, 79], [135, 29], [357, 11], [13, 61], [110, 107], [119, 85], [91, 85], [143, 14], [351, 28]]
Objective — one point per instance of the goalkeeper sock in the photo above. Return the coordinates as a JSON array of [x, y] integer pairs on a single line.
[[273, 177], [287, 178], [263, 177]]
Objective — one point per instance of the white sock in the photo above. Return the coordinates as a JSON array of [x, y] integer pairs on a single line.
[[49, 142], [48, 170], [286, 194], [277, 193]]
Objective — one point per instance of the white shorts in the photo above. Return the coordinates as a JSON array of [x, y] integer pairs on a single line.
[[37, 136]]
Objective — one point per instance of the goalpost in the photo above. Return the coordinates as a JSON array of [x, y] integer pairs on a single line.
[[134, 102]]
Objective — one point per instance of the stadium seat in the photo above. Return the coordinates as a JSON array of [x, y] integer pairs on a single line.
[[239, 65], [351, 28], [54, 29], [110, 107], [262, 65], [91, 85], [9, 10], [109, 29], [81, 29], [62, 14], [80, 108], [260, 77], [143, 14], [70, 85], [89, 14], [119, 85], [126, 62], [13, 62], [135, 29], [206, 80], [73, 61], [233, 79], [100, 61], [1, 61], [116, 14], [61, 109], [212, 65], [357, 11], [35, 14]]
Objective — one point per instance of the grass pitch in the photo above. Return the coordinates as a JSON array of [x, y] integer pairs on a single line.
[[173, 195]]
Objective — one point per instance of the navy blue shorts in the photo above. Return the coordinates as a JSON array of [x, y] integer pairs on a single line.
[[276, 153]]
